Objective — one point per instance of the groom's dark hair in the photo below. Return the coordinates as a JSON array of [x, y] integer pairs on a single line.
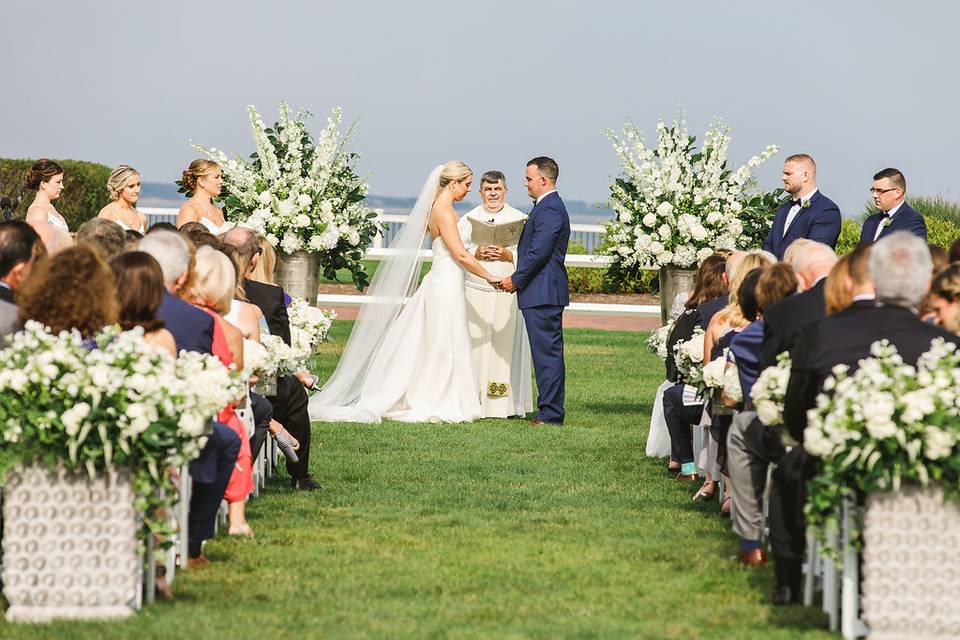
[[493, 177], [547, 167]]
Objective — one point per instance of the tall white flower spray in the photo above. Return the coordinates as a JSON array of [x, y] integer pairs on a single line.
[[302, 194], [675, 204]]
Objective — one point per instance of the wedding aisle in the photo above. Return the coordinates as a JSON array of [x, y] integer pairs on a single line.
[[489, 529]]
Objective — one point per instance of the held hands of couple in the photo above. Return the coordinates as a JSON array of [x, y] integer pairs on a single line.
[[493, 253], [503, 284]]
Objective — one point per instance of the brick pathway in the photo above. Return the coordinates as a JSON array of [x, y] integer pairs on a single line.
[[608, 323]]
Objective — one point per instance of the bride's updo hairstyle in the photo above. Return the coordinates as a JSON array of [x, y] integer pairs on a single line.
[[197, 169], [118, 180], [41, 171], [453, 171]]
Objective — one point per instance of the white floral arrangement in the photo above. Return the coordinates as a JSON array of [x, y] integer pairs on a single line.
[[886, 424], [731, 382], [688, 355], [308, 325], [676, 204], [770, 390], [714, 372], [112, 402], [657, 341], [258, 360], [288, 359], [301, 194]]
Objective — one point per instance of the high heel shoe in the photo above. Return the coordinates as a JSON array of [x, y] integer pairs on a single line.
[[706, 491]]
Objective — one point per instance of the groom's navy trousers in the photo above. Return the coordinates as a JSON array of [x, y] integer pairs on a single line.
[[542, 293]]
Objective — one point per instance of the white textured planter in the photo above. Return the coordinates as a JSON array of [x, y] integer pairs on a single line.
[[69, 546], [911, 565]]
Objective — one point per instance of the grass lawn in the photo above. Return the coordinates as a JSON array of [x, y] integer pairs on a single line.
[[490, 529]]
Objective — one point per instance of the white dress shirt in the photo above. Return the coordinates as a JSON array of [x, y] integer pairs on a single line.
[[544, 195], [795, 209], [888, 220]]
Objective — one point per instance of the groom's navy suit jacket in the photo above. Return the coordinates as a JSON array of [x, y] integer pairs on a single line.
[[905, 219], [540, 277], [819, 221]]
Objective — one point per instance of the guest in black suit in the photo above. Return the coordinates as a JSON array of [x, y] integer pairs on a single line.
[[785, 319], [808, 214], [19, 248], [888, 191], [290, 403], [192, 330]]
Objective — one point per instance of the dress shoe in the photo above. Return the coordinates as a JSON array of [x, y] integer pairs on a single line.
[[538, 422], [688, 477], [784, 596], [305, 484], [199, 562], [163, 590], [752, 558]]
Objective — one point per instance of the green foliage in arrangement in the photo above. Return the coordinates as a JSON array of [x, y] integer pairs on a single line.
[[591, 280], [84, 192], [492, 529]]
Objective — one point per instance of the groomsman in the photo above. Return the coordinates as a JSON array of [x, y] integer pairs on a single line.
[[888, 191], [808, 214]]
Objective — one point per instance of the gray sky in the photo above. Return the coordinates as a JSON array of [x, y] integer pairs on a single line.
[[859, 85]]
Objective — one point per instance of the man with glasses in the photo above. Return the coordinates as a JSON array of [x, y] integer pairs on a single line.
[[888, 191]]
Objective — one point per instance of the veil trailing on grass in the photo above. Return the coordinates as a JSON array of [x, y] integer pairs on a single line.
[[394, 281]]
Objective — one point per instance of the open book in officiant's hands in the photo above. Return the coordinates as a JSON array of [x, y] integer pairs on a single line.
[[500, 234]]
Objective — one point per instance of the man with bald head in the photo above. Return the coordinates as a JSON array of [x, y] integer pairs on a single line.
[[808, 214]]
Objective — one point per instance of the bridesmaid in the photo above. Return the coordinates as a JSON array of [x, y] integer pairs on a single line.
[[123, 185], [203, 179], [46, 176]]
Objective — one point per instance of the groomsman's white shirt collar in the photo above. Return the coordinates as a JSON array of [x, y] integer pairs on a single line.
[[889, 216], [544, 195], [795, 209]]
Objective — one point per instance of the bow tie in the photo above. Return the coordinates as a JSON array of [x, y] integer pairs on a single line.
[[796, 203]]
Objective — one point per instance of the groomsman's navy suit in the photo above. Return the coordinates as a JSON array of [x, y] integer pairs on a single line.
[[192, 330], [819, 221], [542, 292], [904, 219]]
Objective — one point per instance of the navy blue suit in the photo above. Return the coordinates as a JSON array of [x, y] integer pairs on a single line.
[[905, 219], [542, 293], [819, 221], [192, 330]]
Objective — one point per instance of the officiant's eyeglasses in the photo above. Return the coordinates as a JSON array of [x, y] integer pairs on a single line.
[[880, 192]]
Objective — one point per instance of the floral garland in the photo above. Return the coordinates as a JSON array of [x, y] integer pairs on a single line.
[[119, 405], [885, 425], [301, 194], [675, 204]]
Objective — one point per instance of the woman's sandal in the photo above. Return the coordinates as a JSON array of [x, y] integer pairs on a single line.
[[243, 530], [725, 507], [706, 491]]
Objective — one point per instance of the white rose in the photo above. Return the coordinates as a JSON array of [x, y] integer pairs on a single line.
[[286, 207], [665, 208], [937, 442], [304, 200], [290, 242], [665, 231], [650, 219], [624, 217], [316, 243], [655, 248], [703, 254], [353, 237], [265, 198], [302, 220]]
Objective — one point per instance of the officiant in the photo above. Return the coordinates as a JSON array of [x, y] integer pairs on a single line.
[[501, 351]]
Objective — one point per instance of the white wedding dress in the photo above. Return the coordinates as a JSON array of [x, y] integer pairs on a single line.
[[420, 367]]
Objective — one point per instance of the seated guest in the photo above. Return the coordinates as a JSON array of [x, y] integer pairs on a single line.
[[74, 289], [709, 285], [162, 226], [290, 403], [945, 298], [888, 191], [714, 304], [836, 289], [20, 247], [785, 319], [133, 239], [140, 291], [212, 292], [192, 330], [105, 236], [808, 214], [749, 446], [941, 261], [899, 266]]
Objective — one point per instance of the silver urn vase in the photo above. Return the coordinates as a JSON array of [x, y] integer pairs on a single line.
[[673, 280], [297, 273]]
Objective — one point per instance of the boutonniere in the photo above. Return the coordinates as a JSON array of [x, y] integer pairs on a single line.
[[804, 204]]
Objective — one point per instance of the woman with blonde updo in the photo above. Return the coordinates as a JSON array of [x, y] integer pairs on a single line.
[[411, 359], [123, 185], [203, 181], [46, 176]]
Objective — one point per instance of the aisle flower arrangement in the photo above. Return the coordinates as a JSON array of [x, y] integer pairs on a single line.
[[770, 390], [886, 425], [688, 355], [675, 204], [105, 404], [657, 341], [286, 359], [302, 194], [308, 325]]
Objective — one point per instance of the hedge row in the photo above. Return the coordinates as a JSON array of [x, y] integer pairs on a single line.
[[940, 232], [84, 192]]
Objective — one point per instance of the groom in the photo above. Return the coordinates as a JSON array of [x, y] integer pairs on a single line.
[[540, 281]]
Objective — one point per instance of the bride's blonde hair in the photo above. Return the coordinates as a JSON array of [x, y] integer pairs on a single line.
[[453, 171]]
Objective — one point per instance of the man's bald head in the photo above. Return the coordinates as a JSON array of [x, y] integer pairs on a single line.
[[799, 174], [246, 243], [812, 262]]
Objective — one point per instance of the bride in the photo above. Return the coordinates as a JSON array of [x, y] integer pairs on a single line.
[[410, 359]]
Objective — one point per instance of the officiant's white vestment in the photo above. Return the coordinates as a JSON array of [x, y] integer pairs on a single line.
[[501, 351]]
